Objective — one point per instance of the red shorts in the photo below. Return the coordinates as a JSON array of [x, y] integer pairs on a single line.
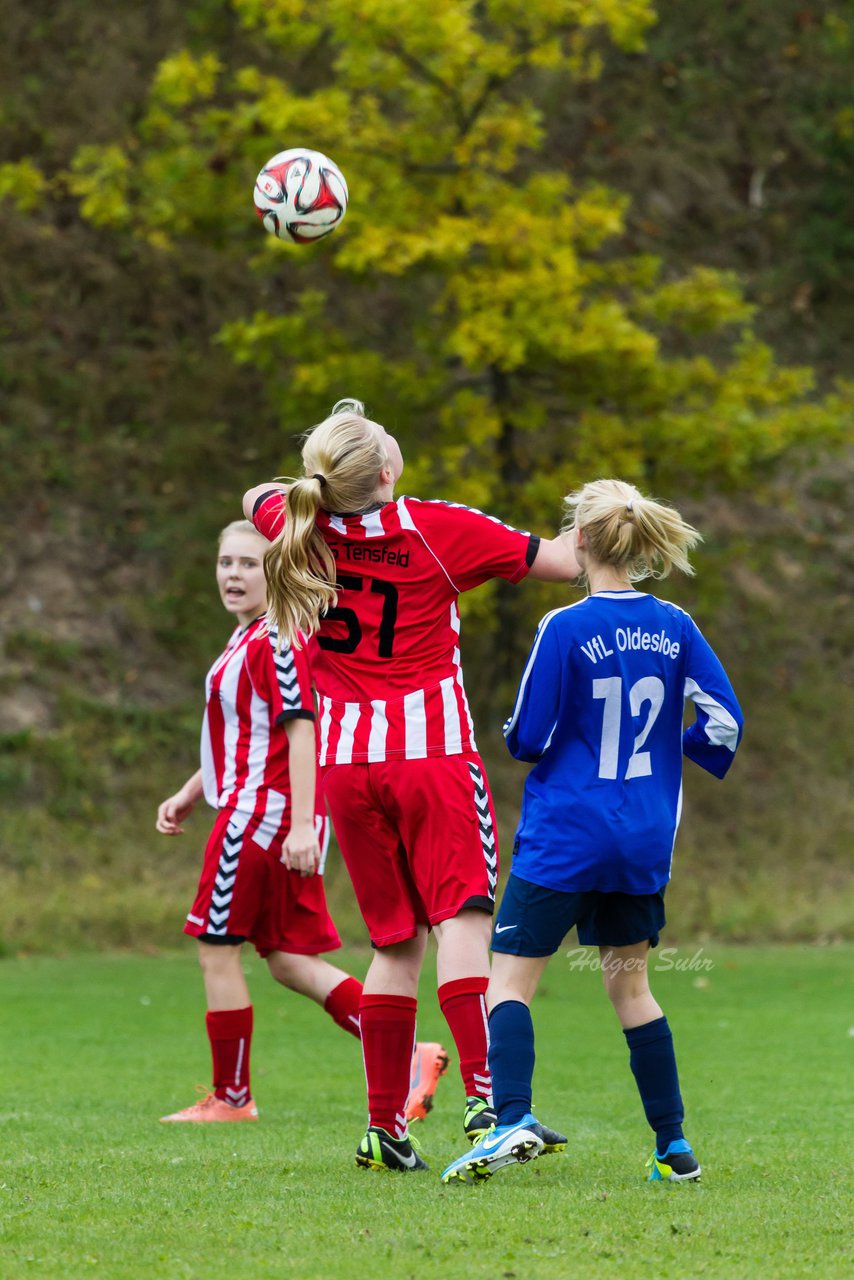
[[418, 837], [246, 892]]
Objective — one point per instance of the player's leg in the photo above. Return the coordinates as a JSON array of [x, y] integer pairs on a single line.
[[397, 925], [220, 920], [447, 827], [340, 996], [512, 987], [515, 1136], [511, 1033], [222, 973], [228, 1022], [387, 1016], [648, 1035], [462, 970], [626, 980], [332, 988], [389, 1002], [530, 926]]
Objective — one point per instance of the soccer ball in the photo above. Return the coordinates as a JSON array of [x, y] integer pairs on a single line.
[[300, 195]]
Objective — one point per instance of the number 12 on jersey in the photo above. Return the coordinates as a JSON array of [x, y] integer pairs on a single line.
[[648, 689]]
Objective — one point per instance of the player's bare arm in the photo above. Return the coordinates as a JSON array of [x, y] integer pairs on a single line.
[[301, 850], [251, 496], [556, 560], [172, 812]]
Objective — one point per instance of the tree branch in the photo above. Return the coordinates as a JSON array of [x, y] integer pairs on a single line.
[[424, 73]]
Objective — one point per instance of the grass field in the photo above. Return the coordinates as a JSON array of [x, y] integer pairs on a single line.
[[97, 1047]]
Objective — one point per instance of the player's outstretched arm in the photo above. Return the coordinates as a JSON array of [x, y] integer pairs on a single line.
[[251, 496], [172, 812], [556, 560]]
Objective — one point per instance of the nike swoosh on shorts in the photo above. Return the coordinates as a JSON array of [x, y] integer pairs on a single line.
[[502, 928]]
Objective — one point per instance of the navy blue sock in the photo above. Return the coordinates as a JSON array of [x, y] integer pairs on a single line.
[[653, 1065], [511, 1059]]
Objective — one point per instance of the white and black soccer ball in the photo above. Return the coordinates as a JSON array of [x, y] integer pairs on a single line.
[[300, 195]]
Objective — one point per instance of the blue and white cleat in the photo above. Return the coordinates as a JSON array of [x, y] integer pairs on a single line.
[[678, 1164], [503, 1144]]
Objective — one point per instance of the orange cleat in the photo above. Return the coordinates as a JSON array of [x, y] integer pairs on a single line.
[[429, 1061], [212, 1109]]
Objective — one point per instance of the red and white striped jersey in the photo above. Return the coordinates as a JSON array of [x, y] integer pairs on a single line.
[[387, 665], [250, 692]]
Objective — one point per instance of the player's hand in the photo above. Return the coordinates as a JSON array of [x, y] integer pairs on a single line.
[[301, 850], [171, 813]]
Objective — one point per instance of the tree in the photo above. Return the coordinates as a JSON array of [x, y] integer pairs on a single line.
[[478, 298], [116, 407]]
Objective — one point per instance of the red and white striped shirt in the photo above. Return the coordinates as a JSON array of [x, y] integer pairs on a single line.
[[387, 665], [251, 691]]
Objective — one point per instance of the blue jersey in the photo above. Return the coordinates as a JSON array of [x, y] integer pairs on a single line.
[[600, 709]]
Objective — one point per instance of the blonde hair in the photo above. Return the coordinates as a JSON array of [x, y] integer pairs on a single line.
[[239, 526], [342, 459], [636, 534]]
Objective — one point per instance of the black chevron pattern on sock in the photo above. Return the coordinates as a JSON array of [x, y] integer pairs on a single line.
[[485, 825]]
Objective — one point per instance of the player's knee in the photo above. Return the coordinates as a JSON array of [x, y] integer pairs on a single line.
[[398, 967], [469, 930], [289, 969], [218, 960], [622, 987]]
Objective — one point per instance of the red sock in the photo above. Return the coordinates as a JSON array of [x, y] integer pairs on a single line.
[[388, 1038], [342, 1005], [463, 1002], [230, 1034]]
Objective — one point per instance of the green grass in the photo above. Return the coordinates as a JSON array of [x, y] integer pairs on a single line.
[[97, 1047]]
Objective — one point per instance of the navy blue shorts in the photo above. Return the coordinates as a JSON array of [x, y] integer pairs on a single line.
[[533, 921]]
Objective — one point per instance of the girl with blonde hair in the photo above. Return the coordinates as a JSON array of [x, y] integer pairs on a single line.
[[599, 714], [377, 578], [261, 879]]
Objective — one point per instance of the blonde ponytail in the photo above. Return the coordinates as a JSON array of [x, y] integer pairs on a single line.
[[300, 568], [342, 458], [629, 531]]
